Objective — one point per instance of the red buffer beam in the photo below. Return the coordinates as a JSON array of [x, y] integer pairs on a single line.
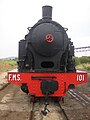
[[33, 81]]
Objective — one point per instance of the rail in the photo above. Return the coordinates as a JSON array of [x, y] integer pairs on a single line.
[[79, 97]]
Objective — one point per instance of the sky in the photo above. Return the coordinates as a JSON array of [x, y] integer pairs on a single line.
[[17, 15]]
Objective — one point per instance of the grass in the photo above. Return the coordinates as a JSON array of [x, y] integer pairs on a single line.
[[6, 65], [84, 66]]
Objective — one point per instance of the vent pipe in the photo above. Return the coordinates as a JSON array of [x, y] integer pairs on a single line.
[[47, 12]]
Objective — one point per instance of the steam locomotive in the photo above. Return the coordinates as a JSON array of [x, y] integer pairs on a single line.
[[46, 48], [46, 67]]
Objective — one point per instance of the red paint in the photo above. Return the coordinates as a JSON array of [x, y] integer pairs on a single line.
[[49, 38], [64, 80]]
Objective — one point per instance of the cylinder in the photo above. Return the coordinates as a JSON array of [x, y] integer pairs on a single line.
[[47, 12]]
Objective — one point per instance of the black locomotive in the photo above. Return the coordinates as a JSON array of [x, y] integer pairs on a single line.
[[46, 48], [45, 58]]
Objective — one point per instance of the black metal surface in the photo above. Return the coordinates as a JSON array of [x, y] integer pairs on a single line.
[[48, 86], [42, 77], [40, 44], [47, 12], [24, 88]]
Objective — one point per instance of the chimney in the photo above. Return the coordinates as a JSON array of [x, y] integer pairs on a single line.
[[47, 12]]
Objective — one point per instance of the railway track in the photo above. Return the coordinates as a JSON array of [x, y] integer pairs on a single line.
[[13, 101], [65, 117], [55, 112], [79, 97]]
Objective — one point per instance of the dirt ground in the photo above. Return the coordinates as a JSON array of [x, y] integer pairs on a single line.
[[3, 80], [14, 104], [76, 110], [2, 77]]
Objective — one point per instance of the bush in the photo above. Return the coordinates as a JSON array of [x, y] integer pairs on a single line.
[[77, 61], [84, 59], [81, 60], [6, 65], [88, 68]]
